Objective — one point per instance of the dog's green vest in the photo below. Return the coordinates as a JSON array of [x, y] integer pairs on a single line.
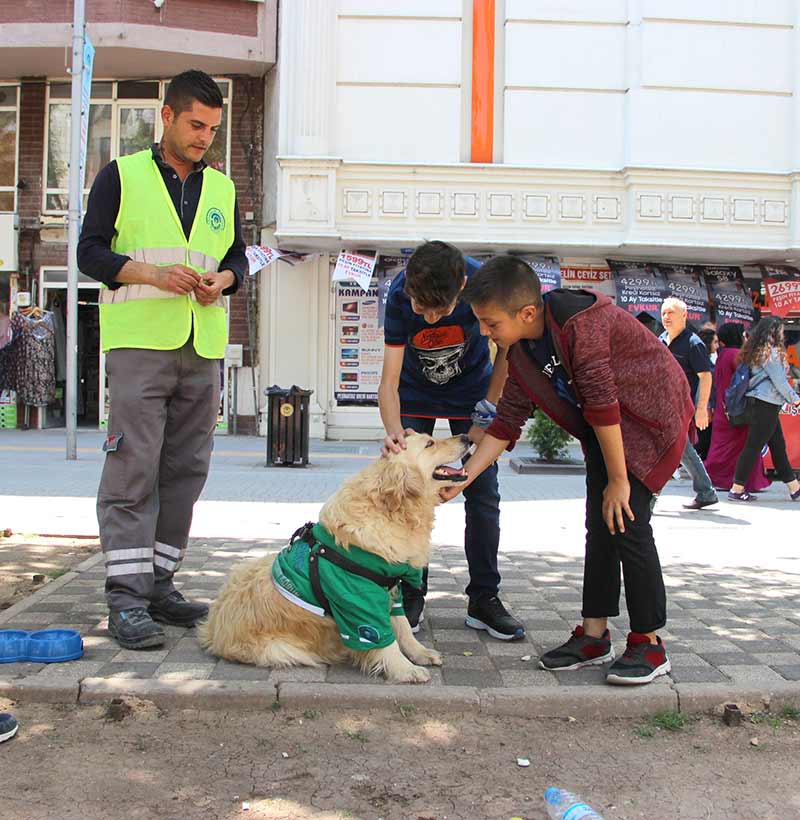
[[359, 606], [148, 229]]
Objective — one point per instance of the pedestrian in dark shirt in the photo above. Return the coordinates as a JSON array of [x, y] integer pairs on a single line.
[[691, 354]]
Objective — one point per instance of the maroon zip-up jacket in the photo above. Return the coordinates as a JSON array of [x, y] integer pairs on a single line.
[[620, 373]]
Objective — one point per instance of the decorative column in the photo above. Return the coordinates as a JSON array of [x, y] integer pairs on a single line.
[[307, 65]]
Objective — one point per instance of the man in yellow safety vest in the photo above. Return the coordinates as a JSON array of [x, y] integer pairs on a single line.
[[162, 233]]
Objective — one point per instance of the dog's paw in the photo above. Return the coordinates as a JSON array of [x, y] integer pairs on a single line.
[[427, 657], [414, 674]]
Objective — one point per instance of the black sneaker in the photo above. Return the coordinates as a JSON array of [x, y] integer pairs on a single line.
[[8, 726], [489, 613], [175, 610], [135, 629], [641, 662], [414, 608], [579, 651]]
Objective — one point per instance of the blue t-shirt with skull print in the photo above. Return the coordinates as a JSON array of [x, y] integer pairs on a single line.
[[446, 366]]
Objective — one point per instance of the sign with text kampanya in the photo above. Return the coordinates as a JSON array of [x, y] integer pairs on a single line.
[[782, 284], [641, 288]]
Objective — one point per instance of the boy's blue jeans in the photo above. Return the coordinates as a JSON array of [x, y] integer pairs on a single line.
[[482, 531]]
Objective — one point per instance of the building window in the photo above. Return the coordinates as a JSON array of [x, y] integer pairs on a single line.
[[9, 128], [124, 117]]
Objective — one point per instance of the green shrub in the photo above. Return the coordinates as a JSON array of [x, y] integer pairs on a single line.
[[547, 438]]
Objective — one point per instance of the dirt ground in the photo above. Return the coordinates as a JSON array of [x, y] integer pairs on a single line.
[[135, 761], [27, 562]]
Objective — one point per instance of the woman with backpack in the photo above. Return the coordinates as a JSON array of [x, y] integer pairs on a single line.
[[768, 389], [727, 441]]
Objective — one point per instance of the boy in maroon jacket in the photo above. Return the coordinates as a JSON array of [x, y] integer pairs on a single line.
[[607, 380]]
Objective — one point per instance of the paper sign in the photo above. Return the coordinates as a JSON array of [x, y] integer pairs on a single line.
[[731, 299], [86, 94], [685, 282], [259, 256], [355, 266], [782, 284], [548, 269]]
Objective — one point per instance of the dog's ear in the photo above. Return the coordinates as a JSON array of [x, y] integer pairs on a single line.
[[397, 484]]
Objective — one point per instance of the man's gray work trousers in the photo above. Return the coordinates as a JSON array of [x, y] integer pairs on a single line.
[[164, 407]]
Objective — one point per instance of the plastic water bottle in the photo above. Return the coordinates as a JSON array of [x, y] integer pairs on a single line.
[[563, 805]]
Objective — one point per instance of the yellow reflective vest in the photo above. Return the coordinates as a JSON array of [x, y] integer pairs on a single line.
[[148, 229]]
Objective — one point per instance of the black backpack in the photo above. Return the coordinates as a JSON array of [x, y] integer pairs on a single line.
[[735, 396]]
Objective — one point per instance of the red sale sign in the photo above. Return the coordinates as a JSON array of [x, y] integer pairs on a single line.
[[783, 295]]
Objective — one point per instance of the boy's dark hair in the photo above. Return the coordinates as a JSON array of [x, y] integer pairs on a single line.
[[435, 275], [189, 86], [506, 281]]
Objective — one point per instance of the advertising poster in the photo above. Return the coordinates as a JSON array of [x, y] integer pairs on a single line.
[[359, 334], [686, 282], [640, 287], [588, 277], [357, 267], [782, 285], [548, 269], [731, 299]]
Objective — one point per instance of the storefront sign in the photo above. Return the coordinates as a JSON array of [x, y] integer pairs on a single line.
[[732, 300], [356, 267], [548, 269], [359, 334], [782, 283], [589, 277], [640, 287], [686, 283]]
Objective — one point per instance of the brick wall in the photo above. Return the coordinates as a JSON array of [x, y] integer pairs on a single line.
[[225, 16]]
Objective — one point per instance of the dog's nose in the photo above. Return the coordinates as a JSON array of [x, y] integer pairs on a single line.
[[465, 438]]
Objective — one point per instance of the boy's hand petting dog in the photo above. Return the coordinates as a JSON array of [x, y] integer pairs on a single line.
[[616, 500], [395, 442], [446, 493]]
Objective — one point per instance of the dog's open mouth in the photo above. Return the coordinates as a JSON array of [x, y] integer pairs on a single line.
[[454, 474]]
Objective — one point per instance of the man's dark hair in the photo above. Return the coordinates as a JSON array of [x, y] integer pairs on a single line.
[[435, 275], [189, 86], [731, 334], [506, 281]]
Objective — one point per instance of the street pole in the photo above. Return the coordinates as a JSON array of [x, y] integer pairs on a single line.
[[74, 226]]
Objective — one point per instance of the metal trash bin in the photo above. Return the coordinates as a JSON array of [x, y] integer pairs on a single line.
[[287, 426]]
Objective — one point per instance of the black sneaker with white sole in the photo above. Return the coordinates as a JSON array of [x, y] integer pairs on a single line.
[[135, 629], [175, 610], [8, 726], [579, 651], [489, 613], [642, 662]]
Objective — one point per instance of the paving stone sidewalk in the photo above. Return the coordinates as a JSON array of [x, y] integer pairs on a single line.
[[730, 632]]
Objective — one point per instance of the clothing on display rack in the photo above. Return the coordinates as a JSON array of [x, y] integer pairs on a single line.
[[31, 362], [6, 345]]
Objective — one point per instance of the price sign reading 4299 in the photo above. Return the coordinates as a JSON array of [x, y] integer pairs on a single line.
[[686, 282]]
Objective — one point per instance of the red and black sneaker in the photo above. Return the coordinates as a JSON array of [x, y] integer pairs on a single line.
[[641, 662], [580, 650]]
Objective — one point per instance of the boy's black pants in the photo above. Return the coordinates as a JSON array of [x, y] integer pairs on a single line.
[[635, 549]]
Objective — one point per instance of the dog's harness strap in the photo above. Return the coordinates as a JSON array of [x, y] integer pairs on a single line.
[[319, 550]]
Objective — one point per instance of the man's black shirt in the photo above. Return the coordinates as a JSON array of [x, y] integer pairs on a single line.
[[692, 355], [95, 257]]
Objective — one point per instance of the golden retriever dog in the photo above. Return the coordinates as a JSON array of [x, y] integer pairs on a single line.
[[386, 509]]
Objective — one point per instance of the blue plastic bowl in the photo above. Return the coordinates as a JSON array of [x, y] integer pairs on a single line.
[[13, 645], [54, 645]]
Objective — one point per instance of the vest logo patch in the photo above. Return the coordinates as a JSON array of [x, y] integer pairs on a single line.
[[215, 220], [368, 634]]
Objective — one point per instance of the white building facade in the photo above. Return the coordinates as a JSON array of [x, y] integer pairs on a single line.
[[630, 129]]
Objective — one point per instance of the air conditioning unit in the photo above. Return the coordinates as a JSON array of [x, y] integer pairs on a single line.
[[9, 241]]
